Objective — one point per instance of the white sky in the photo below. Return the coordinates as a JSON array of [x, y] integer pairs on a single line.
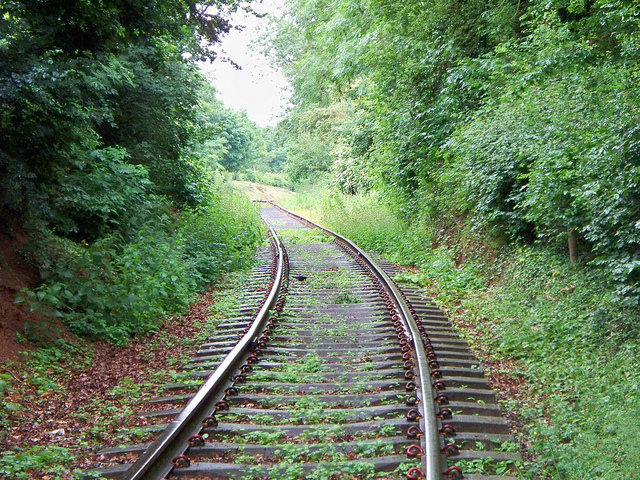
[[259, 89]]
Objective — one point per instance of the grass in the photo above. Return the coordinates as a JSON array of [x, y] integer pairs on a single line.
[[364, 218], [256, 191], [535, 316]]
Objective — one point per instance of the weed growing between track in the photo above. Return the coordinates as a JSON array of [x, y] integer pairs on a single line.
[[315, 363], [568, 382]]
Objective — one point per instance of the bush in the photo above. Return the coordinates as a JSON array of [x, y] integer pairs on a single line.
[[103, 195], [113, 290], [556, 157]]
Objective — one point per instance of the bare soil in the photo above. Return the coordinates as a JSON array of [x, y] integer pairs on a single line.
[[14, 275]]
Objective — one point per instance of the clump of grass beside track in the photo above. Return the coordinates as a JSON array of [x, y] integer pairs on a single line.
[[571, 382]]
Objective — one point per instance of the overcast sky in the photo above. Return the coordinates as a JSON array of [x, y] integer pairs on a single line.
[[257, 88]]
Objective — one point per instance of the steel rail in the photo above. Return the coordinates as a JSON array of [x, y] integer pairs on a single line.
[[157, 461], [432, 459]]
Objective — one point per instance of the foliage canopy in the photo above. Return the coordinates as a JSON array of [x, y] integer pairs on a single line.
[[104, 124], [520, 117]]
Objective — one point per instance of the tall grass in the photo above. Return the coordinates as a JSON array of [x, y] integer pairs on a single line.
[[364, 219]]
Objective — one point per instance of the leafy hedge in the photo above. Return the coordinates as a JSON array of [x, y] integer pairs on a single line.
[[110, 289], [559, 153]]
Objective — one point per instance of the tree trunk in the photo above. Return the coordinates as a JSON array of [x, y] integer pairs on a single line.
[[572, 239]]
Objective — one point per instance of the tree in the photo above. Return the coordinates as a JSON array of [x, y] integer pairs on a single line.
[[307, 158], [77, 77], [519, 117], [99, 123]]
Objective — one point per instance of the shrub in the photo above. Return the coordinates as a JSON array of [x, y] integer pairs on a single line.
[[114, 289]]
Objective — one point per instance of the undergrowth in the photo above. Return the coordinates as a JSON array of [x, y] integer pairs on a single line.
[[583, 402], [114, 289], [579, 409]]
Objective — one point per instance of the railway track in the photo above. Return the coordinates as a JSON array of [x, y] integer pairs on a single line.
[[328, 371]]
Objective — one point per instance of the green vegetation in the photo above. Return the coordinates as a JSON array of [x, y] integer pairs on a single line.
[[17, 464], [98, 418], [115, 289], [539, 313], [346, 298], [109, 139], [534, 309], [304, 235], [517, 120], [494, 145]]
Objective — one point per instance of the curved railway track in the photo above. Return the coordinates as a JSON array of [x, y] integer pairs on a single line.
[[329, 370]]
